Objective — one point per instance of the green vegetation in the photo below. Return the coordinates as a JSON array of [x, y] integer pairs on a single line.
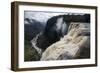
[[30, 54], [27, 51]]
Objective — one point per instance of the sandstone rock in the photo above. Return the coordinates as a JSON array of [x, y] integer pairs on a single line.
[[71, 45]]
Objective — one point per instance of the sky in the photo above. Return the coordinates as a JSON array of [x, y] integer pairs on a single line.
[[41, 16]]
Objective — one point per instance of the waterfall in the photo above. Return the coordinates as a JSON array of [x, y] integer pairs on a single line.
[[34, 42]]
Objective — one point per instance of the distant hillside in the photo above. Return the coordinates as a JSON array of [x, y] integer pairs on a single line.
[[32, 28]]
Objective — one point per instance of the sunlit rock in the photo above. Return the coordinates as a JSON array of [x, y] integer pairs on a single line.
[[71, 45]]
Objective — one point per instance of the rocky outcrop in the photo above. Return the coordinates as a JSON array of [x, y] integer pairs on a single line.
[[71, 45]]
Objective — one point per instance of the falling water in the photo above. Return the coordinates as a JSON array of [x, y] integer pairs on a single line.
[[34, 42]]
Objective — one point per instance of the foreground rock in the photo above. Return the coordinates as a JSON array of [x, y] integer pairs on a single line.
[[71, 45]]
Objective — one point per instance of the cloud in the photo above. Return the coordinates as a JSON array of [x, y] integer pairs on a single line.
[[41, 16]]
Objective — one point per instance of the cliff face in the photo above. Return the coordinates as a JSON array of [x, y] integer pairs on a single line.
[[72, 45]]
